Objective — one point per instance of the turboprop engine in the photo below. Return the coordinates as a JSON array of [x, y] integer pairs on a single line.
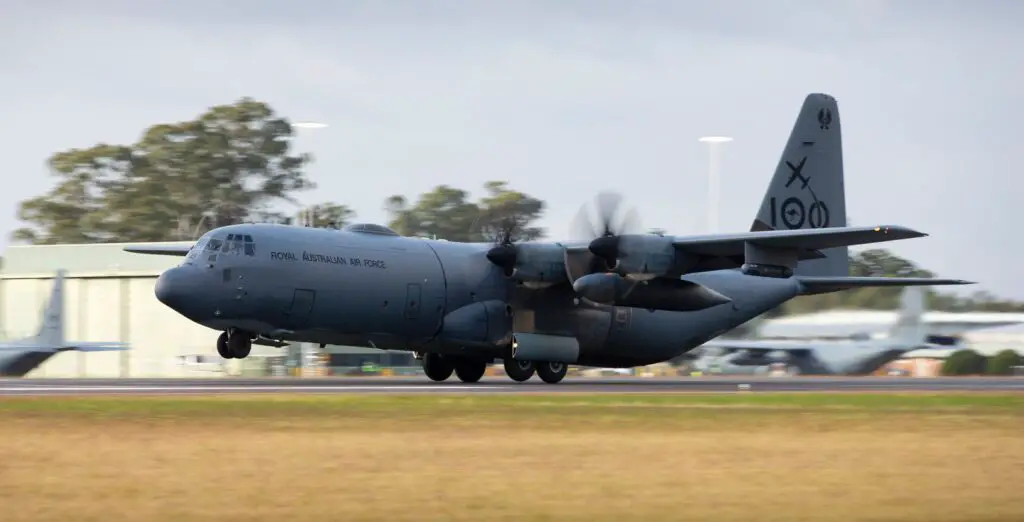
[[674, 295]]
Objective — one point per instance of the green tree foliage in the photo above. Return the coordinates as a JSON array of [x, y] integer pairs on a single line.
[[326, 215], [1003, 362], [447, 213], [964, 362], [180, 179]]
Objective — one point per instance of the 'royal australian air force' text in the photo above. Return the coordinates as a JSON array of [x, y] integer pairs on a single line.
[[310, 257]]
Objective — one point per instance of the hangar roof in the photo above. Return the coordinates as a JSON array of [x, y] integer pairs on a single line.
[[83, 260]]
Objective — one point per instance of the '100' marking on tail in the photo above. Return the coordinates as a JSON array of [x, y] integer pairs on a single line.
[[794, 213]]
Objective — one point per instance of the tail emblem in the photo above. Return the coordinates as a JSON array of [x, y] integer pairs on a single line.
[[824, 118]]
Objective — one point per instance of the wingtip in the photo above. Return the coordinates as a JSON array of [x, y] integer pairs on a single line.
[[899, 229]]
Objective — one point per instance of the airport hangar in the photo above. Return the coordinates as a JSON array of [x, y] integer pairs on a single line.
[[108, 296]]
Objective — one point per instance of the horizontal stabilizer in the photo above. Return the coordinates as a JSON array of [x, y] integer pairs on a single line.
[[80, 347], [95, 347], [823, 285], [159, 250], [811, 239]]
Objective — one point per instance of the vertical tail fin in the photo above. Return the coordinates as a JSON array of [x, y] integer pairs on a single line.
[[51, 329], [807, 190], [909, 327]]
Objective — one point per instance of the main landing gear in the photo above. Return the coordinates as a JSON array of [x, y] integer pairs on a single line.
[[549, 372], [234, 344], [440, 367]]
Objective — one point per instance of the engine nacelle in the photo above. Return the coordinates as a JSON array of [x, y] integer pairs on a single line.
[[546, 348], [644, 256], [485, 324], [674, 295], [778, 356], [533, 266]]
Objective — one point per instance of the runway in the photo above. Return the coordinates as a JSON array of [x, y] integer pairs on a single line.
[[499, 385]]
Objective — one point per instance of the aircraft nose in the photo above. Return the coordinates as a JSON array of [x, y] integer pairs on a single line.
[[169, 289]]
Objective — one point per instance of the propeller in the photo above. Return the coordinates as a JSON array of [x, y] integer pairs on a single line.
[[505, 254], [606, 226]]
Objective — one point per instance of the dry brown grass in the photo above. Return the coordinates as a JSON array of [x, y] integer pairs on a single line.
[[484, 459]]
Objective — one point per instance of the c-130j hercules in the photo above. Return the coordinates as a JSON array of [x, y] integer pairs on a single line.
[[620, 299]]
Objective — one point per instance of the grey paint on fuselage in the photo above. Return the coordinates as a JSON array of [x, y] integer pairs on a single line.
[[392, 292]]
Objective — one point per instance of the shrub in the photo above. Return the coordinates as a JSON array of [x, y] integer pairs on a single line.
[[1003, 362], [964, 362]]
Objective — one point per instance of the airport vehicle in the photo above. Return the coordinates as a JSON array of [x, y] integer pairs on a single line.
[[20, 356], [615, 299]]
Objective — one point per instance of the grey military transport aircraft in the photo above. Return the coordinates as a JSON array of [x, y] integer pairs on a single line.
[[614, 299], [851, 356], [20, 356]]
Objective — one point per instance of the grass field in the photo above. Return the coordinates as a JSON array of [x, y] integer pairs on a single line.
[[785, 457]]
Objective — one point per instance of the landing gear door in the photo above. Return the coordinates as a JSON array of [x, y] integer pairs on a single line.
[[301, 308]]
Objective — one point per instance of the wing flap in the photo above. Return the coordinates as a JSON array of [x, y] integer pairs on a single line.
[[821, 285], [808, 241]]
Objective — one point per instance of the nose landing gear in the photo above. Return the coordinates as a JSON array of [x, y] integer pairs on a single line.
[[234, 344]]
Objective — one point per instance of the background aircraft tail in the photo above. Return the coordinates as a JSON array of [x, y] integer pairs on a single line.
[[807, 190], [51, 329], [910, 328], [50, 337]]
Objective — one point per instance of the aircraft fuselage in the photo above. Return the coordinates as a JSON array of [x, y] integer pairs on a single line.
[[392, 292]]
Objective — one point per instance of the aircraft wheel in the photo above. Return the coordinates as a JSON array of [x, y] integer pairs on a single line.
[[437, 367], [470, 370], [239, 344], [519, 371], [552, 372], [222, 346]]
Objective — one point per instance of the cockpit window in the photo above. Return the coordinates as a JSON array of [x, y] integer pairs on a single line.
[[237, 244], [196, 249]]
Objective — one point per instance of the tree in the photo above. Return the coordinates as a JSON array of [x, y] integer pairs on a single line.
[[179, 180], [1003, 362], [447, 213], [328, 215], [964, 362]]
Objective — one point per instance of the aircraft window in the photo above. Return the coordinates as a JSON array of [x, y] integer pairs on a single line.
[[213, 245], [250, 249], [248, 238]]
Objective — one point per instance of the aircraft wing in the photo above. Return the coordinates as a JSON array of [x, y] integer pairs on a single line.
[[820, 285], [160, 250], [808, 241], [753, 346]]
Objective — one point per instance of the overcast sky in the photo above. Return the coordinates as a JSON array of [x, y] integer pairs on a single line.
[[561, 98]]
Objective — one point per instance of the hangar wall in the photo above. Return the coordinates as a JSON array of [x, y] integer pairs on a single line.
[[108, 297]]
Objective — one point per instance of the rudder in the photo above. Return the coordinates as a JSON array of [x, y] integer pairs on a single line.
[[807, 190], [51, 328]]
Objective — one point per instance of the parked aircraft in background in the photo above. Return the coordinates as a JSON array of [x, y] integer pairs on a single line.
[[619, 298], [20, 356], [847, 357]]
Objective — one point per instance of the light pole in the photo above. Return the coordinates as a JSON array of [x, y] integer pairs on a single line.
[[306, 215], [713, 175]]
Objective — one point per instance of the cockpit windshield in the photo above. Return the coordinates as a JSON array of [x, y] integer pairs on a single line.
[[232, 244], [238, 245]]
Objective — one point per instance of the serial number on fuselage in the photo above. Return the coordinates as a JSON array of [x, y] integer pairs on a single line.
[[310, 257]]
